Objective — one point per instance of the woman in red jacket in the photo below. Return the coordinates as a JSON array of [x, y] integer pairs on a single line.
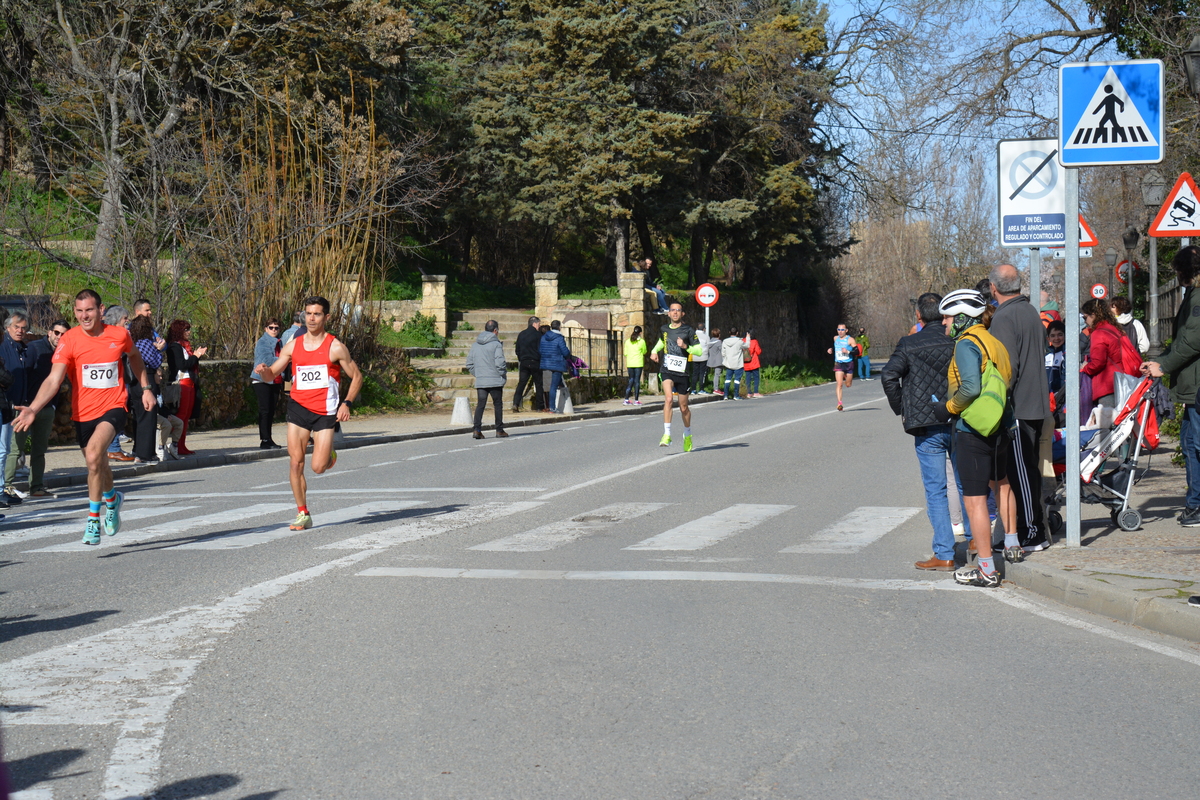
[[750, 377], [1104, 353]]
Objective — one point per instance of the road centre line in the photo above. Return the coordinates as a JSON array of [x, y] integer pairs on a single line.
[[655, 462], [1010, 598], [898, 584]]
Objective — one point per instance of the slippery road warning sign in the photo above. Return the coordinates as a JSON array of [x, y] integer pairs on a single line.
[[1110, 112], [1033, 197], [1178, 215]]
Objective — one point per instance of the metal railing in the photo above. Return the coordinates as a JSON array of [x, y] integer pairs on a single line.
[[602, 351]]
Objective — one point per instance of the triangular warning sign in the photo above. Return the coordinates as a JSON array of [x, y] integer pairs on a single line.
[[1087, 237], [1178, 215], [1111, 119]]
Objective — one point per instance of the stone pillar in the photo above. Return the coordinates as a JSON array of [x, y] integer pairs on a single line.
[[633, 302], [433, 300], [545, 295]]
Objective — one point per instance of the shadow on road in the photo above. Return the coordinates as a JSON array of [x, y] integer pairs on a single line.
[[32, 770], [16, 627]]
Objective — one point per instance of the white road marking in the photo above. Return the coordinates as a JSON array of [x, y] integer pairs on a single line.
[[556, 534], [364, 490], [709, 530], [664, 459], [385, 464], [1008, 597], [897, 584], [418, 458], [170, 528], [856, 530], [33, 793], [270, 533], [459, 450], [130, 677], [424, 527], [76, 526]]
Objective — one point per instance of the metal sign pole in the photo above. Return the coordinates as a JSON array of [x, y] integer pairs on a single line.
[[1152, 300], [1035, 278], [1071, 314]]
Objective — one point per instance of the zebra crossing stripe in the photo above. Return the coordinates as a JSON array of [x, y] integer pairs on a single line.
[[269, 533], [169, 528], [419, 527], [75, 527], [855, 531], [709, 530], [556, 534]]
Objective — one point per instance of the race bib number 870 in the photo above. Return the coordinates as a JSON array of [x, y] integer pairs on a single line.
[[101, 376], [311, 377]]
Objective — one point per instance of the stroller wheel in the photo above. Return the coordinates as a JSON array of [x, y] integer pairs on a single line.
[[1129, 519], [1056, 522]]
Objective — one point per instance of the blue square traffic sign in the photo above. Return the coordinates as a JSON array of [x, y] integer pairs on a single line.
[[1110, 112]]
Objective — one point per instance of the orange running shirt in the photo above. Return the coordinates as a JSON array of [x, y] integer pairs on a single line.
[[94, 369], [314, 377]]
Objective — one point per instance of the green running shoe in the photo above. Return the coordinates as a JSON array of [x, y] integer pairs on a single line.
[[665, 441], [91, 534], [112, 516], [303, 522], [687, 443]]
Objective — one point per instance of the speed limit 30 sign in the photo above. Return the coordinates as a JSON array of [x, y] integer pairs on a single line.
[[1099, 290]]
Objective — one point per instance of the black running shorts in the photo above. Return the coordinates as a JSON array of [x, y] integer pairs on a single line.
[[84, 430], [979, 460], [309, 420], [681, 383]]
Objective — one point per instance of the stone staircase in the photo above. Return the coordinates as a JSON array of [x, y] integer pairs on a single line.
[[449, 373]]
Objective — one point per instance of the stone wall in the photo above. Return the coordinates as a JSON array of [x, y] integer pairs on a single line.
[[394, 313], [773, 315]]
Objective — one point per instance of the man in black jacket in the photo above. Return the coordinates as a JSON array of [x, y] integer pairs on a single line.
[[1018, 326], [914, 380], [530, 361]]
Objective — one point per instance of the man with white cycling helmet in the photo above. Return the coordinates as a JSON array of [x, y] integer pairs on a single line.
[[978, 377]]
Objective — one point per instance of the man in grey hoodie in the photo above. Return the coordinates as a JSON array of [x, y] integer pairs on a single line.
[[486, 362]]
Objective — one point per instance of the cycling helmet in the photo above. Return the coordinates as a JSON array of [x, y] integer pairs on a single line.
[[962, 301], [965, 306]]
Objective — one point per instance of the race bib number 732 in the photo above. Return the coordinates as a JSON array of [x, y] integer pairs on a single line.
[[101, 376], [314, 376], [676, 364]]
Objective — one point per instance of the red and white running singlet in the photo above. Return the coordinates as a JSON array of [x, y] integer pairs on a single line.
[[314, 377]]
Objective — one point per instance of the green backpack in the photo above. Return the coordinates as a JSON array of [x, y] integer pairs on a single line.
[[986, 410]]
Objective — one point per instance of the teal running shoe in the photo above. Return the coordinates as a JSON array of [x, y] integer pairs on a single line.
[[91, 534], [112, 516]]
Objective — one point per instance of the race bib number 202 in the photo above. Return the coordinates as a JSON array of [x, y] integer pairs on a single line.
[[101, 376], [311, 377]]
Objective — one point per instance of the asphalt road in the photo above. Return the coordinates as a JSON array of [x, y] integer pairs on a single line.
[[572, 612]]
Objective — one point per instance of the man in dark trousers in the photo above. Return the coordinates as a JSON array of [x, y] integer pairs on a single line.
[[914, 381], [1018, 326], [1182, 362], [530, 361]]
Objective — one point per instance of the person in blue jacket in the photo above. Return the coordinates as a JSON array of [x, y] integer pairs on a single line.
[[554, 352]]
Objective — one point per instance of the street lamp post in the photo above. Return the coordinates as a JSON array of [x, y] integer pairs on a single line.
[[1130, 239], [1154, 189], [1191, 64], [1110, 258]]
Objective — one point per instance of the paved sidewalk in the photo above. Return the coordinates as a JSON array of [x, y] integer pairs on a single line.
[[1143, 577]]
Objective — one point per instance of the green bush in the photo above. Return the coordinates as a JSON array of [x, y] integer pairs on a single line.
[[420, 331], [465, 326], [598, 293]]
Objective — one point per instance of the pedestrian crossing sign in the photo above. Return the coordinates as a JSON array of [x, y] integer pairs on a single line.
[[1110, 112]]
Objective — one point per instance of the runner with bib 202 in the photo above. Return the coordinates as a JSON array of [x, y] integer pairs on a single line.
[[318, 362], [678, 343]]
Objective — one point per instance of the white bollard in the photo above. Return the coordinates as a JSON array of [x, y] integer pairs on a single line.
[[567, 407], [462, 412]]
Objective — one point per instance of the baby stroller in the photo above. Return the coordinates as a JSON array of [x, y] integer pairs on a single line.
[[1135, 424]]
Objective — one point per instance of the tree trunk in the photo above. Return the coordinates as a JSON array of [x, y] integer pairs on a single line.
[[110, 218], [616, 246], [643, 231], [696, 255]]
